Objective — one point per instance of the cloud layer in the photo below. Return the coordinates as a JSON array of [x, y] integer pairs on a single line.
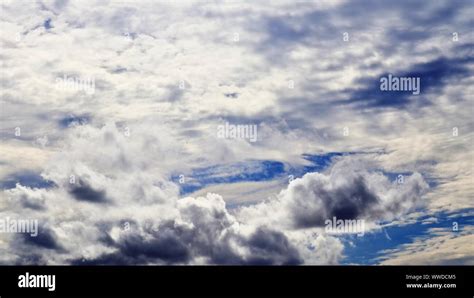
[[109, 216], [99, 160]]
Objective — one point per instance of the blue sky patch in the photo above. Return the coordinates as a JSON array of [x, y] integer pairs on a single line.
[[368, 248], [30, 179], [253, 170]]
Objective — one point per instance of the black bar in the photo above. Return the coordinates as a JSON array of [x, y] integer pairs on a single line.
[[219, 281]]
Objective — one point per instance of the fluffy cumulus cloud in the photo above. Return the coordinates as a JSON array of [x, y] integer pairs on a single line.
[[107, 206], [349, 190], [110, 113], [108, 215], [203, 232]]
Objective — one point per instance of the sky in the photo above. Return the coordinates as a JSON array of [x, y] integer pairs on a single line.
[[112, 113]]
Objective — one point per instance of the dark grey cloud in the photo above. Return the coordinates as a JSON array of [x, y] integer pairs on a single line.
[[170, 245], [45, 239], [30, 249], [269, 247], [72, 120], [348, 190], [175, 245], [212, 237], [352, 192], [82, 191], [232, 95], [174, 94], [34, 250], [353, 200], [119, 70]]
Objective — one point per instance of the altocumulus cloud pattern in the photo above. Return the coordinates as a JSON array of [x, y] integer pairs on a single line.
[[236, 132]]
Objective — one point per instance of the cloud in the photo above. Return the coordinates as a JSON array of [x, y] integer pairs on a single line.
[[349, 190], [203, 232], [84, 192], [44, 239], [183, 231]]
